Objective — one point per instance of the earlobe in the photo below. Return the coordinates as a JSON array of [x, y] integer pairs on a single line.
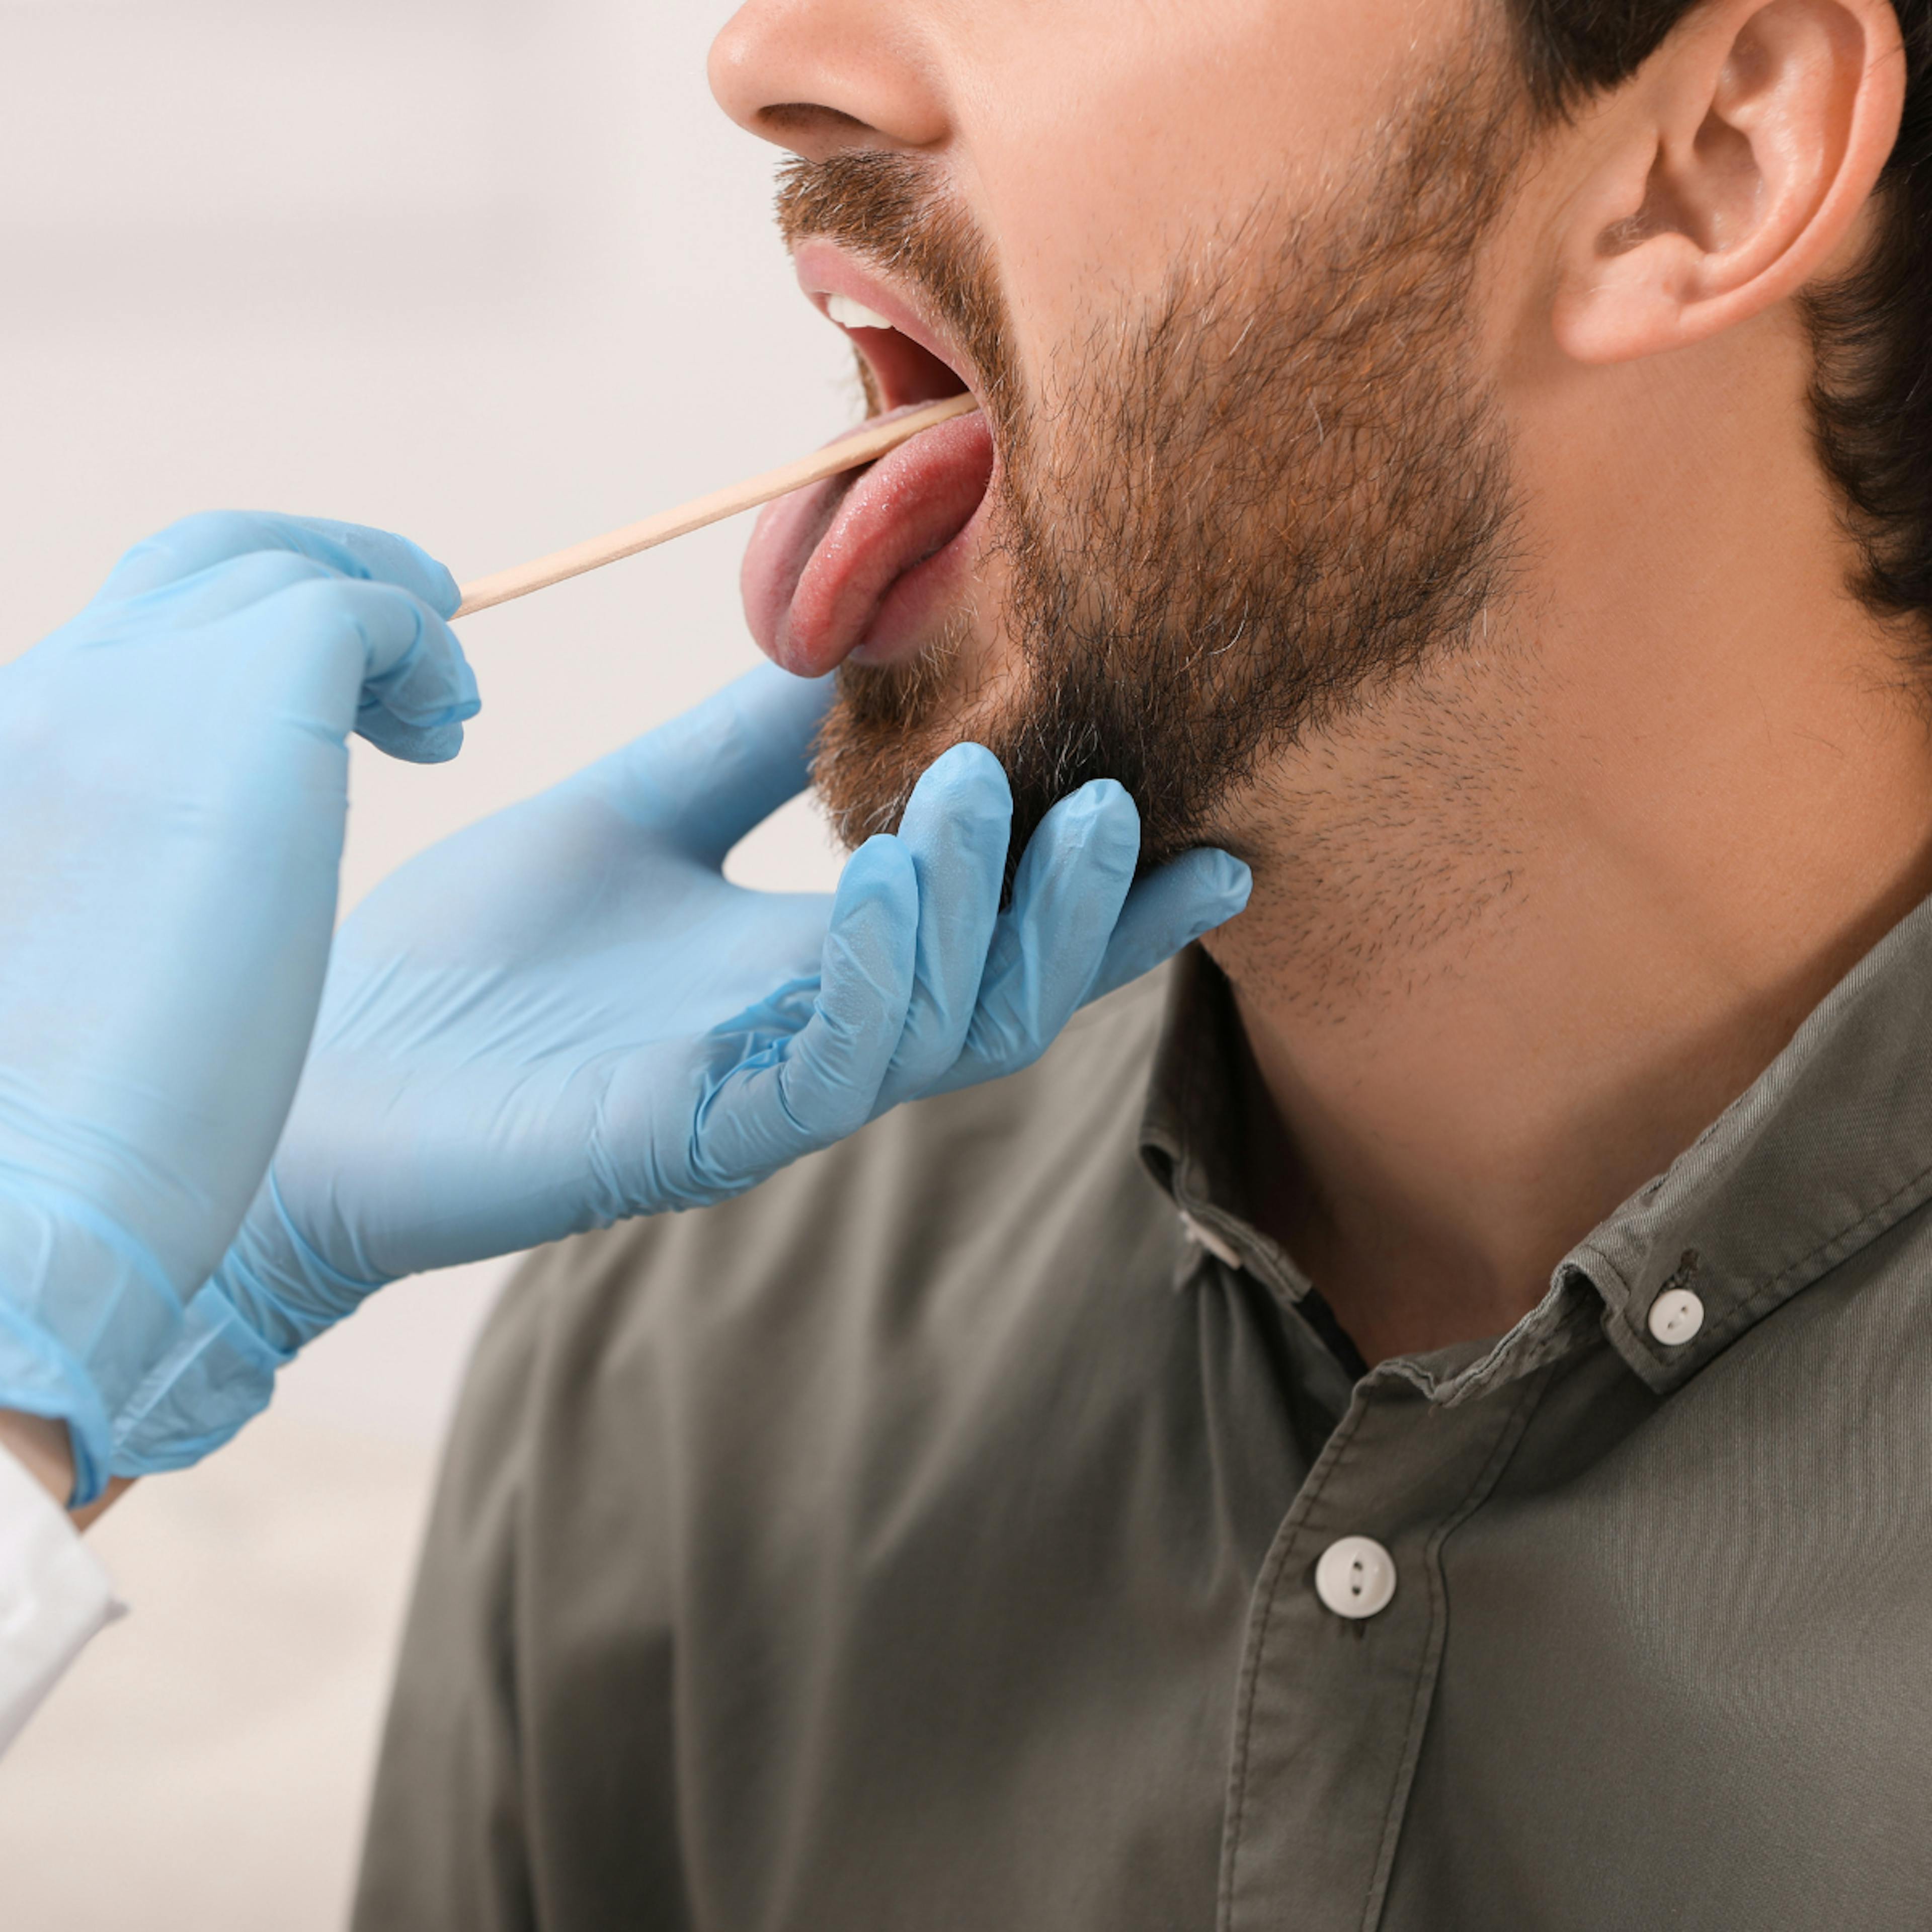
[[1727, 174]]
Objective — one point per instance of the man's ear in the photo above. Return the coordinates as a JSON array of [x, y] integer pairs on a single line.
[[1726, 172]]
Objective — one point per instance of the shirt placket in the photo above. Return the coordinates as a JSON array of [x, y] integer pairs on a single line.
[[1335, 1691]]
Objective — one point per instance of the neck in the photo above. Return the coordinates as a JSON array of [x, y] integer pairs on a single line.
[[1521, 932]]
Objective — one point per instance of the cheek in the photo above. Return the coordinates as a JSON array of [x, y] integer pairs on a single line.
[[1095, 142]]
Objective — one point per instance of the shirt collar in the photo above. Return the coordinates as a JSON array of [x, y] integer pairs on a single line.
[[1827, 1149], [1188, 1130]]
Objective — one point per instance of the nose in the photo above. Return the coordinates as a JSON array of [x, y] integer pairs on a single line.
[[820, 76]]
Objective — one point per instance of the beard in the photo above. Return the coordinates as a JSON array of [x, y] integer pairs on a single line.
[[1240, 514]]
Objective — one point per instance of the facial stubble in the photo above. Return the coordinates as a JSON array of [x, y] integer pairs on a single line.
[[1240, 515]]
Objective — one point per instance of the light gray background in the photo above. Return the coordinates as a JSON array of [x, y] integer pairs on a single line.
[[499, 275]]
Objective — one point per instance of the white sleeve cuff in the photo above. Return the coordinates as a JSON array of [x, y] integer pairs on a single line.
[[55, 1595]]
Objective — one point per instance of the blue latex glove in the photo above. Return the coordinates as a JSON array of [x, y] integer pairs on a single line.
[[566, 1015], [173, 783]]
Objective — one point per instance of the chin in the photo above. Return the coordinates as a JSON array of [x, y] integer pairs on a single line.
[[891, 719]]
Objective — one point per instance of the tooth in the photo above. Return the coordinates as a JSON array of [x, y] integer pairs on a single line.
[[850, 314]]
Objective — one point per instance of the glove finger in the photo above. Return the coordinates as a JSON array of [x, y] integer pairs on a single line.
[[820, 1084], [709, 777], [957, 827], [198, 543], [829, 1080], [373, 659], [1067, 895], [1189, 896], [222, 590]]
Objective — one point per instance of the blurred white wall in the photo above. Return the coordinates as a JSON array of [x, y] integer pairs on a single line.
[[499, 275]]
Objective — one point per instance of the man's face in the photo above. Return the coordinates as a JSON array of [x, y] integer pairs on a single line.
[[1208, 269]]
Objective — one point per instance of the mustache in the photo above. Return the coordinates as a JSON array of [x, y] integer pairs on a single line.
[[896, 213]]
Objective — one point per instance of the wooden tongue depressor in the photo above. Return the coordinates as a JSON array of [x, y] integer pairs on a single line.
[[864, 446]]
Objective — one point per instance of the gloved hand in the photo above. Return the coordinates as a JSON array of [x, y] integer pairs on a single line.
[[566, 1015], [173, 783]]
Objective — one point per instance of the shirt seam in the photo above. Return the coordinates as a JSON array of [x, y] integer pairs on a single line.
[[1273, 1575], [1423, 1702]]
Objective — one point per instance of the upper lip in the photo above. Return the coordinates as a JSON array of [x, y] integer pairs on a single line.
[[900, 373]]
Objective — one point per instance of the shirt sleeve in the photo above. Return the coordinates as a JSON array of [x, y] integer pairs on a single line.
[[55, 1594]]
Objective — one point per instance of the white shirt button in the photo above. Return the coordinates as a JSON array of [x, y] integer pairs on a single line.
[[1206, 1237], [1675, 1317], [1355, 1577]]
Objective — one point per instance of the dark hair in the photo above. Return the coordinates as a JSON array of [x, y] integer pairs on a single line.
[[1872, 333]]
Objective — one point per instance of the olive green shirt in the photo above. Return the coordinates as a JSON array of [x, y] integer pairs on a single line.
[[932, 1539]]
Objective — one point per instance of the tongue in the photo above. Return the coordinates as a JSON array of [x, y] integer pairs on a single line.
[[823, 561]]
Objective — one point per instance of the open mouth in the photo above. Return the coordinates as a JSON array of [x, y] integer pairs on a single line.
[[861, 563]]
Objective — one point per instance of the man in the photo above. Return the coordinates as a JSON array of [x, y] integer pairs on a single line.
[[1418, 1420]]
